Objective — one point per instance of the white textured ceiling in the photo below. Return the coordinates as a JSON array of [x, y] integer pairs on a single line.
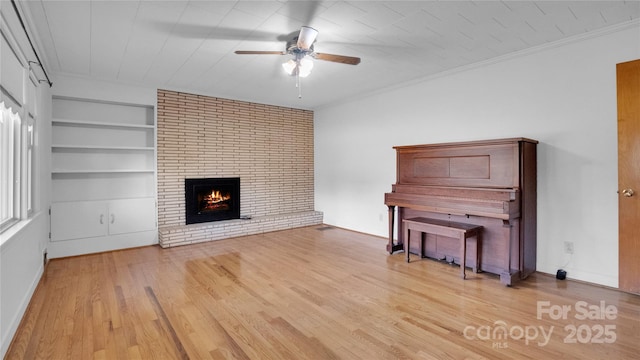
[[189, 45]]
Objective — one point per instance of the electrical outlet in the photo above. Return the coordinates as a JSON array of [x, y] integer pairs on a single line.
[[568, 247]]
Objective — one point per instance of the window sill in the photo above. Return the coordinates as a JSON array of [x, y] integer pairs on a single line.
[[13, 230]]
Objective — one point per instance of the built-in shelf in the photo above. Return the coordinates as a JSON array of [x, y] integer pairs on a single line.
[[103, 167], [83, 123], [116, 171], [100, 148]]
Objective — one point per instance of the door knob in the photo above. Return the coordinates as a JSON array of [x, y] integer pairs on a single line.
[[627, 192]]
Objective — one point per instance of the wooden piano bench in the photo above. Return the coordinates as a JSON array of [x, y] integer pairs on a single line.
[[452, 229]]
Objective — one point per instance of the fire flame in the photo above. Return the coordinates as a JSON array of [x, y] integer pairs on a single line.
[[216, 197]]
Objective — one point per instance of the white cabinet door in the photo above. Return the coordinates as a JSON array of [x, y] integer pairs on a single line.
[[132, 215], [78, 219]]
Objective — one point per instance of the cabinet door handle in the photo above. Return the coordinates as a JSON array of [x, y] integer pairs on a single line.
[[113, 218], [101, 218]]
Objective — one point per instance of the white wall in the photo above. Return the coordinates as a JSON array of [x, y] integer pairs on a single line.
[[21, 267], [562, 95]]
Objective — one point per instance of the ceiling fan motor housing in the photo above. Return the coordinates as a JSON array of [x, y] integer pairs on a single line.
[[293, 49]]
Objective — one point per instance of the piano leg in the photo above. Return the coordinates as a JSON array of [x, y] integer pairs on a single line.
[[391, 222], [509, 278], [399, 246]]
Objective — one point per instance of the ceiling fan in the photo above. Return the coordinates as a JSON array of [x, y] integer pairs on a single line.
[[302, 50]]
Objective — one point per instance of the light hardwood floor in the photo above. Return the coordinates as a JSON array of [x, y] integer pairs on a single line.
[[311, 294]]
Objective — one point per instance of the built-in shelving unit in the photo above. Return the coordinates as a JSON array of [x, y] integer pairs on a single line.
[[103, 176]]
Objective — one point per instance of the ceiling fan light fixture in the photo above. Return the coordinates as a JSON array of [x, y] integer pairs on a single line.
[[305, 66], [301, 67], [289, 67]]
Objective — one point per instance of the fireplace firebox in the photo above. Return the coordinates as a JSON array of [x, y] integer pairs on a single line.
[[212, 199]]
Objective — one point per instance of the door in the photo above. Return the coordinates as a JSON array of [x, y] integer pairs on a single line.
[[132, 215], [78, 219], [628, 85]]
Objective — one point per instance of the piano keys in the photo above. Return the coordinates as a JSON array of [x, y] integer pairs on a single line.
[[491, 183]]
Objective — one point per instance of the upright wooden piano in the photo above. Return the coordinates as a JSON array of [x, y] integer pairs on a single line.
[[490, 183]]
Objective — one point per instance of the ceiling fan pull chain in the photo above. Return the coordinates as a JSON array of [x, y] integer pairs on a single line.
[[299, 86]]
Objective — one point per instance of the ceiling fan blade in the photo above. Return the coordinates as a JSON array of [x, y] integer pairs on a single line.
[[307, 37], [302, 12], [241, 52], [350, 60]]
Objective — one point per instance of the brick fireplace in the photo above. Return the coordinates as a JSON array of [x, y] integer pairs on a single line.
[[269, 148]]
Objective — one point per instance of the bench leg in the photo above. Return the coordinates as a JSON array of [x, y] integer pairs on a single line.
[[463, 255], [476, 269], [407, 242]]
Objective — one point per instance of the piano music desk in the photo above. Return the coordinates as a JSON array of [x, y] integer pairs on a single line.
[[452, 229]]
